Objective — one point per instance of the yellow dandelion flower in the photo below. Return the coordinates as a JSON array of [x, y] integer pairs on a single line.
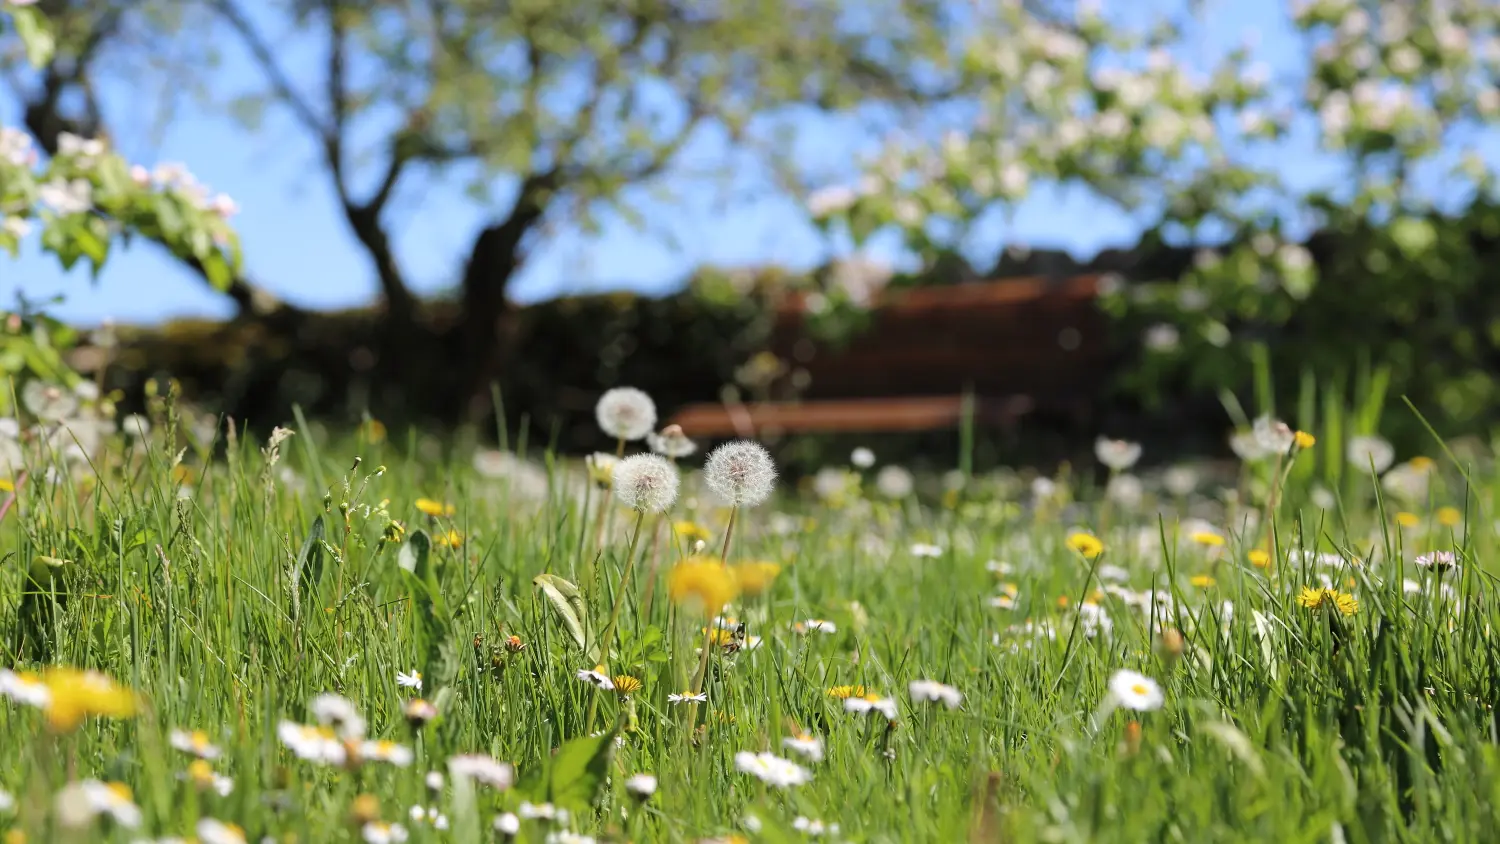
[[691, 531], [73, 695], [1208, 538], [755, 577], [373, 430], [1304, 439], [719, 636], [1086, 544], [1203, 581], [626, 685], [7, 485], [1449, 516], [1259, 558], [449, 539], [707, 583], [435, 508], [1315, 599], [1407, 520], [846, 692]]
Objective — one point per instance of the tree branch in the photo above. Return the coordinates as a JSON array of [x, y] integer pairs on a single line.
[[280, 82]]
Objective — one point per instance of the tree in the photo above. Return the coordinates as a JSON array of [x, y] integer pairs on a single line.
[[564, 110], [1386, 259]]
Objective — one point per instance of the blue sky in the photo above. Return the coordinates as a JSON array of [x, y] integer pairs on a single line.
[[297, 245]]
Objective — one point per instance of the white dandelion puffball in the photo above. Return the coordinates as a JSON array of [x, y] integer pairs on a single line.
[[1365, 452], [646, 483], [1273, 435], [1135, 691], [894, 482], [741, 473], [862, 458], [626, 413], [1118, 455]]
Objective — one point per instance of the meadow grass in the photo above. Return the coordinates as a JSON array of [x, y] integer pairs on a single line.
[[229, 593]]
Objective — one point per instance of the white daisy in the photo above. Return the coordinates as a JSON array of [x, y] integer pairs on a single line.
[[211, 831], [313, 744], [871, 703], [376, 832], [921, 549], [195, 743], [79, 803], [386, 751], [332, 710], [409, 681], [817, 624], [484, 769], [806, 746], [1135, 691], [507, 824], [929, 690], [814, 828], [597, 678], [772, 770], [542, 812], [688, 697], [24, 688], [641, 785]]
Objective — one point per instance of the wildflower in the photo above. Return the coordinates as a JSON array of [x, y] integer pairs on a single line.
[[331, 710], [1135, 691], [740, 473], [1209, 538], [373, 430], [24, 688], [1202, 581], [642, 786], [386, 751], [1180, 481], [645, 483], [378, 832], [814, 828], [687, 697], [1259, 558], [1367, 452], [707, 583], [871, 703], [1406, 482], [671, 442], [772, 770], [755, 577], [202, 775], [921, 549], [1085, 544], [1272, 435], [1125, 490], [1437, 560], [434, 782], [514, 644], [1118, 455], [894, 482], [1318, 598], [49, 402], [1421, 464], [482, 769], [806, 746], [507, 824], [625, 413], [1303, 439], [691, 531], [195, 743], [364, 809], [862, 458], [79, 803], [1449, 516], [409, 681], [7, 802], [435, 509], [1003, 602], [419, 712], [846, 692], [449, 539], [928, 690], [313, 744], [818, 624], [1407, 520], [596, 677], [541, 812], [73, 695], [626, 685], [1246, 447], [601, 468]]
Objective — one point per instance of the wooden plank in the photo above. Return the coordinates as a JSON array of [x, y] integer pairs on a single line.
[[923, 413]]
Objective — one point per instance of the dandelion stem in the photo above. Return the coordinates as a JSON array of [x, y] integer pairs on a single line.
[[708, 637], [606, 640]]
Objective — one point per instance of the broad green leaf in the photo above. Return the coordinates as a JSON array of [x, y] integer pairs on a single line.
[[578, 771], [217, 271], [309, 568], [568, 602]]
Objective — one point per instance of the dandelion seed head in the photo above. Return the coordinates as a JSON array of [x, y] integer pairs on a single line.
[[741, 473], [646, 483], [626, 413]]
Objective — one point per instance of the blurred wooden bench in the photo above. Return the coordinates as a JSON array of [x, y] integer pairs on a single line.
[[1019, 346]]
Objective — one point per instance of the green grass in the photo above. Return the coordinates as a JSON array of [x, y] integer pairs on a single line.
[[1281, 723]]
